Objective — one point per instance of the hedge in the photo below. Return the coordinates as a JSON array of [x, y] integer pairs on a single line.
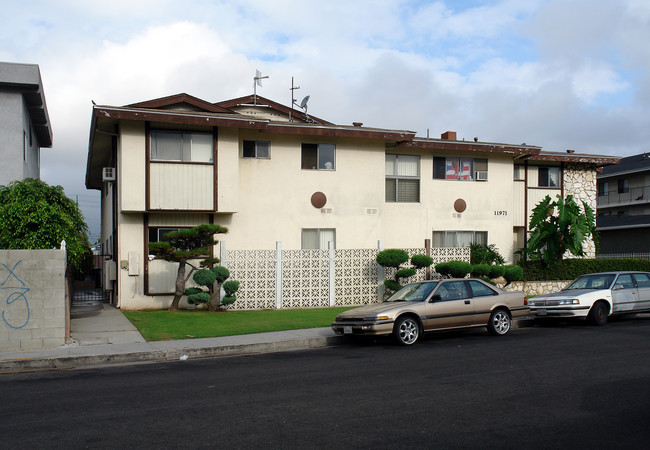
[[568, 269]]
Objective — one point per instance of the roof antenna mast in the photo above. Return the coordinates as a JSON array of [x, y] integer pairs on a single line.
[[257, 81], [293, 88]]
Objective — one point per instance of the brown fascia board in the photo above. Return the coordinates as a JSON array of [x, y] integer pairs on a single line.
[[487, 147], [598, 160], [178, 117], [239, 121], [340, 131], [249, 99], [171, 100]]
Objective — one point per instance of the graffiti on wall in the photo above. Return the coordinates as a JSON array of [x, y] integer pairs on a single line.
[[13, 293]]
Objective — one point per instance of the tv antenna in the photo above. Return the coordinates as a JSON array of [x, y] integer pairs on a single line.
[[257, 81]]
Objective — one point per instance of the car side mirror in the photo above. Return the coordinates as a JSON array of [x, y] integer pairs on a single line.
[[435, 297]]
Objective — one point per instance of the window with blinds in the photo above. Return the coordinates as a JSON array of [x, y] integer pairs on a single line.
[[402, 178]]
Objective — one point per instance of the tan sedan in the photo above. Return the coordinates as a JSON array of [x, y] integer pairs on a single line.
[[435, 305]]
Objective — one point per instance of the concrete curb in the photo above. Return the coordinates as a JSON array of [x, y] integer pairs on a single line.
[[162, 355]]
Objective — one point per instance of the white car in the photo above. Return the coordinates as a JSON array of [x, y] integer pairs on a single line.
[[596, 296]]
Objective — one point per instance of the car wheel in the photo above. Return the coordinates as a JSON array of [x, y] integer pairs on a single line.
[[598, 314], [406, 330], [499, 323]]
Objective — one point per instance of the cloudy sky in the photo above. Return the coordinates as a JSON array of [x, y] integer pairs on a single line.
[[561, 74]]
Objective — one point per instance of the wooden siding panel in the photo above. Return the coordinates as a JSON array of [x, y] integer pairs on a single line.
[[182, 186]]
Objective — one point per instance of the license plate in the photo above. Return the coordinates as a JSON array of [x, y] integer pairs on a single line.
[[347, 329], [542, 312]]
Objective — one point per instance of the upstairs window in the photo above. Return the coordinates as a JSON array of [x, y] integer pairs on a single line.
[[181, 146], [318, 238], [256, 149], [318, 157], [463, 169], [623, 186], [519, 172], [402, 178], [548, 177], [603, 188]]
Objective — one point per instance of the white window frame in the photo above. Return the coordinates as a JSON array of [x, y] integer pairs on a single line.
[[323, 161], [448, 236], [320, 238], [393, 175]]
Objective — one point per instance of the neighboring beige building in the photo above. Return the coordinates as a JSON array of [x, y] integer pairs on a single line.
[[271, 173]]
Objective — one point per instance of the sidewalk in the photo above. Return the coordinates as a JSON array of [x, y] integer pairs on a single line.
[[107, 337]]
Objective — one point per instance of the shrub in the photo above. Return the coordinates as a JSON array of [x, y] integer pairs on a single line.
[[513, 273], [480, 270], [568, 269], [454, 269], [204, 277], [421, 261], [442, 268], [221, 273], [392, 285], [392, 257], [484, 254], [404, 273], [496, 271]]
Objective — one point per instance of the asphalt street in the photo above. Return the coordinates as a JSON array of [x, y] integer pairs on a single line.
[[553, 386]]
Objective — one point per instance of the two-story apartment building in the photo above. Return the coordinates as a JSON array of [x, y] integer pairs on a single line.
[[624, 206], [24, 122], [270, 173]]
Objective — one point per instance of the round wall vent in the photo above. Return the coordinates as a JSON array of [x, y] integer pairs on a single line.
[[460, 205], [318, 200]]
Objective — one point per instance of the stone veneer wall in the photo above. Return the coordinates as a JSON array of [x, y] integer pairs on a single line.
[[581, 184], [32, 299], [536, 287]]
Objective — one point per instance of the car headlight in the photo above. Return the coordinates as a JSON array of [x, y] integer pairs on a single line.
[[376, 318], [569, 301]]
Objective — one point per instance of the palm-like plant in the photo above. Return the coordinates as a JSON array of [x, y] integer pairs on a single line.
[[560, 226]]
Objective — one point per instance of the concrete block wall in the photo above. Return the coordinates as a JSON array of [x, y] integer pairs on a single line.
[[32, 299]]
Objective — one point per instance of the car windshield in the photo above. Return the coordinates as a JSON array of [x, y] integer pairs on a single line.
[[416, 292], [603, 281]]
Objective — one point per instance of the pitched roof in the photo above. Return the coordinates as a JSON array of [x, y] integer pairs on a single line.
[[250, 100], [629, 164], [189, 101]]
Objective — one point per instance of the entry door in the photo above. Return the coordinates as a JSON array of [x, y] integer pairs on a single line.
[[454, 308], [624, 294]]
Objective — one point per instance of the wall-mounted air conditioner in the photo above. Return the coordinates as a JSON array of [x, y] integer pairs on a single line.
[[108, 174], [480, 175]]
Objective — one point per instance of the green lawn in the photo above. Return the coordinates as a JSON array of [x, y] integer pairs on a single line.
[[168, 325]]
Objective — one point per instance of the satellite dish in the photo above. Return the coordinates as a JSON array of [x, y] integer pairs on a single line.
[[303, 103]]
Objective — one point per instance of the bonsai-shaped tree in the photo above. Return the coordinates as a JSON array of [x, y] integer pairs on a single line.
[[184, 245], [212, 297], [559, 226], [395, 258]]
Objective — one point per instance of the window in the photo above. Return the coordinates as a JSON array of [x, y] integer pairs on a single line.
[[480, 290], [180, 146], [624, 281], [520, 172], [318, 156], [548, 177], [318, 238], [256, 149], [623, 186], [603, 188], [458, 238], [402, 178], [464, 169], [642, 280], [452, 290], [157, 234]]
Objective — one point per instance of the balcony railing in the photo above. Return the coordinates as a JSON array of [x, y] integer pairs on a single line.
[[634, 195]]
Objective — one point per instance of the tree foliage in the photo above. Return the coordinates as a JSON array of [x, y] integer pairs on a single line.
[[395, 258], [559, 226], [35, 215], [184, 245], [484, 254]]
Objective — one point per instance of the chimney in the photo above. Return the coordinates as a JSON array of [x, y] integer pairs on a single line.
[[357, 124], [448, 136]]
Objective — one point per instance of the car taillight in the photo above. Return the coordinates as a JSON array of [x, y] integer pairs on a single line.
[[525, 301]]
